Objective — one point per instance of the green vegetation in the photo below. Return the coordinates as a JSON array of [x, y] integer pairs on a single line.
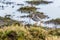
[[15, 30], [32, 10], [33, 33], [7, 21], [54, 21], [27, 9], [37, 2], [55, 32]]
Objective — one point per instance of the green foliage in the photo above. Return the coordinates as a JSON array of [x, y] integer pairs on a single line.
[[27, 9], [54, 21], [9, 35], [55, 32], [32, 33], [20, 34], [37, 2]]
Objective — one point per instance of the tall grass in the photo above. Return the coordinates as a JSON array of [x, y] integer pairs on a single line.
[[21, 33]]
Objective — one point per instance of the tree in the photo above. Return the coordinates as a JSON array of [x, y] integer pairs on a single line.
[[27, 9], [54, 21], [37, 16], [7, 17], [37, 2], [32, 10]]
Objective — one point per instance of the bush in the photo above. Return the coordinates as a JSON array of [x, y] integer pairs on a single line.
[[38, 33], [54, 32], [10, 35]]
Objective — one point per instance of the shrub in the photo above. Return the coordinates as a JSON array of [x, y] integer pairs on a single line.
[[55, 32], [11, 35]]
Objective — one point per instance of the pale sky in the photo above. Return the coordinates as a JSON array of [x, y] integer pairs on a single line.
[[52, 10]]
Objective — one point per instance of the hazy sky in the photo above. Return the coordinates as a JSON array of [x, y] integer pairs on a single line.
[[52, 10]]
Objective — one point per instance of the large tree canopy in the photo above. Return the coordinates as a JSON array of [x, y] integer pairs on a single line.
[[32, 10]]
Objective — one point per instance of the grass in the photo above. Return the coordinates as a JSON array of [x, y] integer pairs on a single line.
[[21, 33]]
